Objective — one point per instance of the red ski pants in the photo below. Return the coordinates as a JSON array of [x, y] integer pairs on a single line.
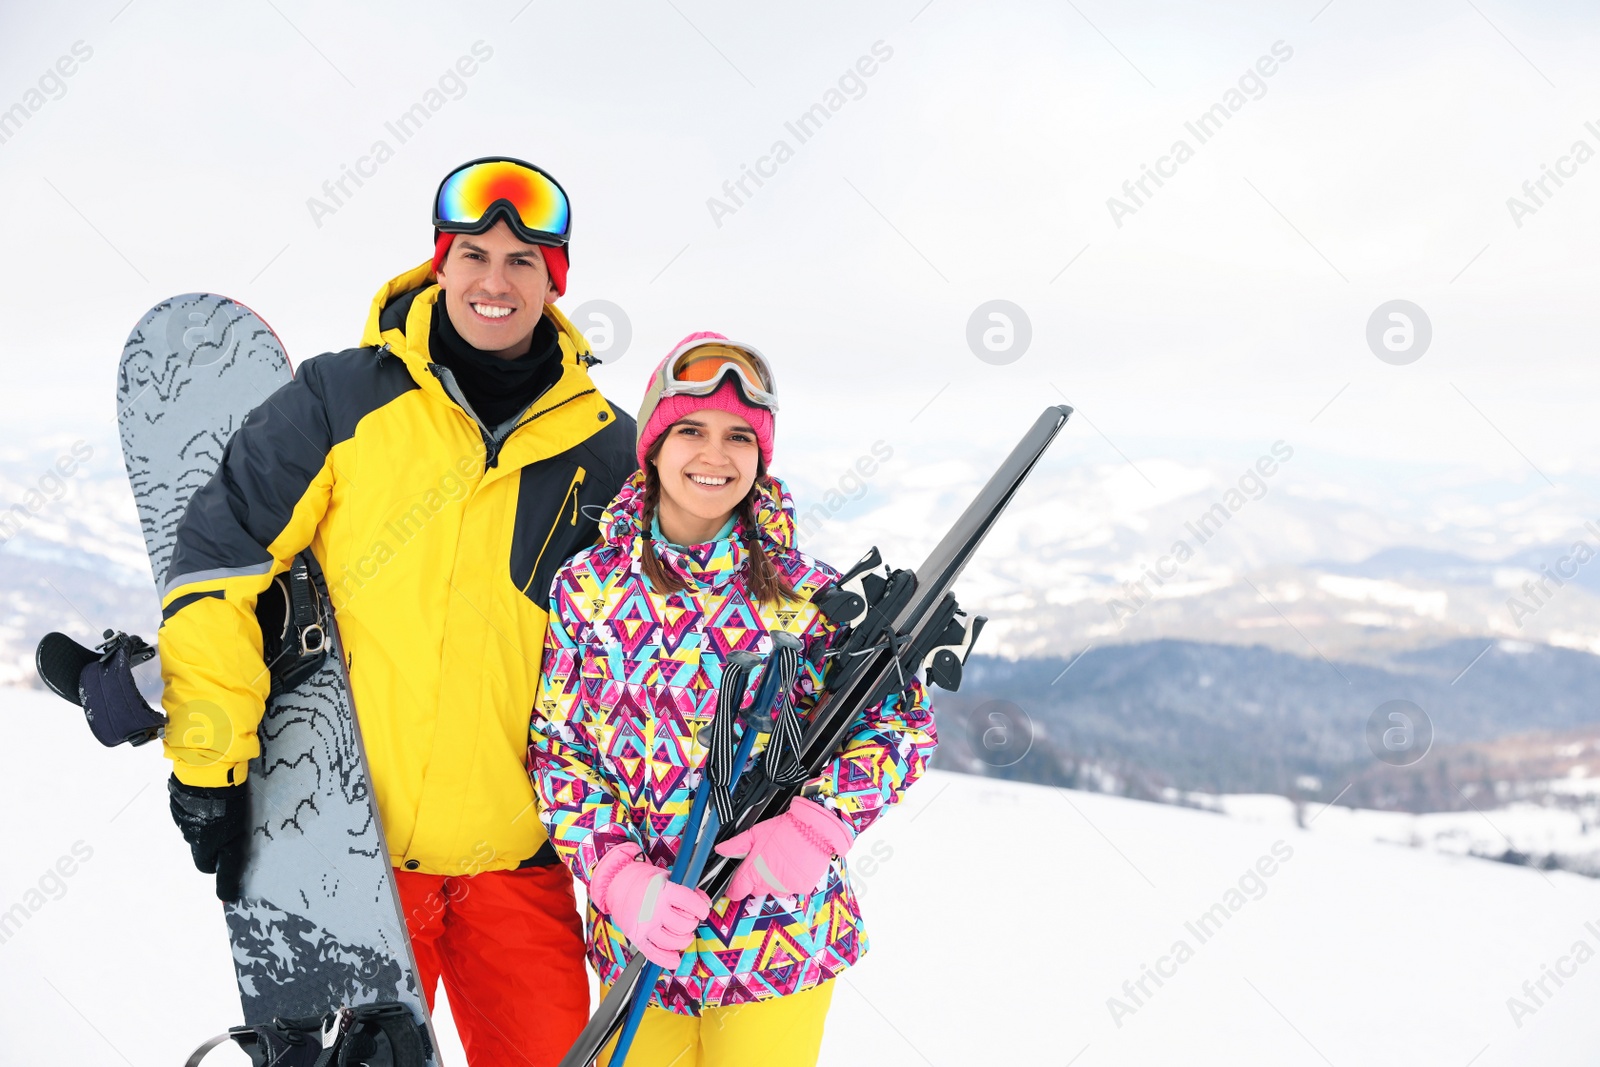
[[510, 947]]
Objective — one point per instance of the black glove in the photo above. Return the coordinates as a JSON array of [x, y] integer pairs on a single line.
[[216, 823]]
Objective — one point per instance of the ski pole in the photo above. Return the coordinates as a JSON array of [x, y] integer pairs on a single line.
[[734, 678], [684, 870], [776, 684]]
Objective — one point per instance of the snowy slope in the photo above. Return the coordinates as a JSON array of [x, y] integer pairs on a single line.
[[1002, 919], [1540, 833]]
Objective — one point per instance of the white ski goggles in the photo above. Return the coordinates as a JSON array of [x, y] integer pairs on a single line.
[[698, 368]]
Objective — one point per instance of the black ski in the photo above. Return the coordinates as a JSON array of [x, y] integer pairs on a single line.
[[895, 624]]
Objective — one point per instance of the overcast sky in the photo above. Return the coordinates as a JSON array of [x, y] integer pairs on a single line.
[[1228, 309]]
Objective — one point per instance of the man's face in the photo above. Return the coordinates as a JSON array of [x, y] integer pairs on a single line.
[[495, 288]]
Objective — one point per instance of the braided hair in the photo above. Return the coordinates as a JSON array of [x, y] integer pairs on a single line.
[[767, 583]]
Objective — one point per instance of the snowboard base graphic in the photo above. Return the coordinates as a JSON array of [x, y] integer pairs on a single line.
[[318, 925]]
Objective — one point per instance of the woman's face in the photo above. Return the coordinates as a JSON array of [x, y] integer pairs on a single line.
[[707, 464]]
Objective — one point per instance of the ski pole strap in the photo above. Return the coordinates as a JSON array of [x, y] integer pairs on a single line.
[[720, 745], [776, 689], [782, 758], [773, 713]]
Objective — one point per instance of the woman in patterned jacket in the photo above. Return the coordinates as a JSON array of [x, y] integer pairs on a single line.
[[697, 560]]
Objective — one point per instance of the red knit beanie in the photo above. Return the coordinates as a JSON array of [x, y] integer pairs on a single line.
[[555, 260]]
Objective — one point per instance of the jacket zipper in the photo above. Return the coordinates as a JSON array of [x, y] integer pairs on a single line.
[[493, 457], [572, 495], [466, 409], [491, 448]]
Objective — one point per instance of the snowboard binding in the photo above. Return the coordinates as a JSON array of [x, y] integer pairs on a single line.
[[294, 635], [100, 680], [372, 1035]]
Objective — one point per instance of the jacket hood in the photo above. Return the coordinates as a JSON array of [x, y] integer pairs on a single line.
[[623, 526], [570, 412]]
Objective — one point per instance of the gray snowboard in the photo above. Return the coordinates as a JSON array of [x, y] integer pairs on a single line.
[[319, 924]]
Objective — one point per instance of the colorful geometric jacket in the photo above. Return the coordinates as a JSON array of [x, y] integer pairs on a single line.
[[629, 678]]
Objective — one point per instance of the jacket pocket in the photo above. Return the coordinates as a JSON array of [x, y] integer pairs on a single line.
[[548, 524]]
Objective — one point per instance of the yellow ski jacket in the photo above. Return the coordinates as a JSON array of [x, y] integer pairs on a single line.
[[438, 538]]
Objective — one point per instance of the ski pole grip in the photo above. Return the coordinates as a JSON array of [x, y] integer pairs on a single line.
[[735, 672], [759, 717]]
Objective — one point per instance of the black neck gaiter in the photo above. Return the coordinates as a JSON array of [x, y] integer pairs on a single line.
[[495, 388]]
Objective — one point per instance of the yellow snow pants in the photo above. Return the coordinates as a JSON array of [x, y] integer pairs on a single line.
[[781, 1032]]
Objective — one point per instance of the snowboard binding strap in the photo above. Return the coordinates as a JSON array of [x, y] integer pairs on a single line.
[[373, 1035], [294, 637], [100, 681]]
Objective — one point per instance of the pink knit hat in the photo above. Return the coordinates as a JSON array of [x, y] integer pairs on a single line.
[[660, 412]]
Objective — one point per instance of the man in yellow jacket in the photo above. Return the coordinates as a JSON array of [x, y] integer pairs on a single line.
[[439, 473]]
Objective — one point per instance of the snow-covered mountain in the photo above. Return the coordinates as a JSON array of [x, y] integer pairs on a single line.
[[1090, 553], [1009, 923], [1222, 718], [1251, 664], [1310, 560], [71, 554]]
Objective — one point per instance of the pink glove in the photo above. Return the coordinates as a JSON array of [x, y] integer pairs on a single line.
[[658, 916], [787, 854]]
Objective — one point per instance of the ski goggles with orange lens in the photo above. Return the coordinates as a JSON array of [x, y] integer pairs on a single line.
[[477, 194], [699, 368]]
